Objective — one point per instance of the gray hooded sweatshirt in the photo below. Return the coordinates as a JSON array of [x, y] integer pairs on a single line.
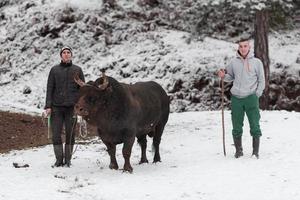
[[247, 76]]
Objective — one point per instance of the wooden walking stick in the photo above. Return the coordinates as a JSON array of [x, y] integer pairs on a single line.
[[47, 123], [222, 106]]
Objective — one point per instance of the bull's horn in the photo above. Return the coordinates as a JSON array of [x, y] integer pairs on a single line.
[[104, 85], [78, 80]]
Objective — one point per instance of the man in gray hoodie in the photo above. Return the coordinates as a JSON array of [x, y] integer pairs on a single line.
[[247, 74]]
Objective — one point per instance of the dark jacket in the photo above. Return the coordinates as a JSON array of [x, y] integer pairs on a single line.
[[62, 90]]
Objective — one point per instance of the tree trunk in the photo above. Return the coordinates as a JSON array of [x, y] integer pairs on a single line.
[[261, 50]]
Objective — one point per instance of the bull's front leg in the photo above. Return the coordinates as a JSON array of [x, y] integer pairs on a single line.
[[111, 149], [127, 147]]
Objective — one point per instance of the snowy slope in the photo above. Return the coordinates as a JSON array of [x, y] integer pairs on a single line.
[[32, 33], [193, 166], [141, 58]]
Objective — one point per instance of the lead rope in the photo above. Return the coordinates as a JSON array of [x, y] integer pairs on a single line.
[[82, 130], [82, 127]]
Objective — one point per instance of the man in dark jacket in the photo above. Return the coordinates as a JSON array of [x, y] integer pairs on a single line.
[[62, 94]]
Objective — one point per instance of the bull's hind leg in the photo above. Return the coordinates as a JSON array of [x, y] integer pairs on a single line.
[[156, 141], [111, 149], [142, 140], [127, 147]]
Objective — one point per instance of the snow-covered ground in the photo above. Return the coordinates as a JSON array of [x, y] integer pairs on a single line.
[[192, 167]]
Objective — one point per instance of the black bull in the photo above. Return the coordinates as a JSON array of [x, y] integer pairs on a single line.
[[122, 112]]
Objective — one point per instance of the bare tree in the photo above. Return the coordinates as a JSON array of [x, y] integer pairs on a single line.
[[261, 50]]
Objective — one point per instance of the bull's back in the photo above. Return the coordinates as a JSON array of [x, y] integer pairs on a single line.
[[153, 102], [151, 94]]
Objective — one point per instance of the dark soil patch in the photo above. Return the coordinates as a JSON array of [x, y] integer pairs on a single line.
[[20, 131]]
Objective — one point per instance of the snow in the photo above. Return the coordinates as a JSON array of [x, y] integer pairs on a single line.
[[143, 52], [285, 50], [86, 4], [192, 167], [162, 55], [2, 32]]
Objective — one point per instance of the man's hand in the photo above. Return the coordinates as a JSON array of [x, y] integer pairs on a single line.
[[47, 112], [221, 73]]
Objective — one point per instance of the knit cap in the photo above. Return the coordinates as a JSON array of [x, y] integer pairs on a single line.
[[66, 48]]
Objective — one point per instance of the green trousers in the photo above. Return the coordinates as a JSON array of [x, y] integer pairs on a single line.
[[250, 106]]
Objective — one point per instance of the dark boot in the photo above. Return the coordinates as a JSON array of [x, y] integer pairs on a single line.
[[255, 145], [59, 155], [238, 147], [68, 154]]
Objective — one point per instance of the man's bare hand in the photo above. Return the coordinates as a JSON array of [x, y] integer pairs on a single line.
[[47, 112], [221, 73]]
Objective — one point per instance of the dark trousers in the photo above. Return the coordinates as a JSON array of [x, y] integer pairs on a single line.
[[60, 116]]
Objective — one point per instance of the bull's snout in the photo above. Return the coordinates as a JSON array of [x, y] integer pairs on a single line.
[[79, 110]]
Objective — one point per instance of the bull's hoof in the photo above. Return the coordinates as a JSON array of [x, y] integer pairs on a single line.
[[128, 168], [143, 161], [156, 159], [113, 166]]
